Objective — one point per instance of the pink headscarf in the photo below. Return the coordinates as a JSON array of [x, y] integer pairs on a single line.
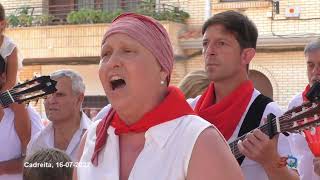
[[149, 33]]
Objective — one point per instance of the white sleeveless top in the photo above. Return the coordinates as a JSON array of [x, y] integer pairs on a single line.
[[166, 153], [6, 49], [9, 140]]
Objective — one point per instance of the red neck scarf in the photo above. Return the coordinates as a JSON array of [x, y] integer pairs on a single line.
[[312, 140], [304, 93], [226, 114], [172, 107]]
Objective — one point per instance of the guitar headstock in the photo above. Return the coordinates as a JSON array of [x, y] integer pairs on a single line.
[[305, 116], [30, 90]]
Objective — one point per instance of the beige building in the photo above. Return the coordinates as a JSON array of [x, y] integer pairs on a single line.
[[285, 26], [278, 68]]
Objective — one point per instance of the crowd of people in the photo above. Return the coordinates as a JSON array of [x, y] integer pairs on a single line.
[[150, 129]]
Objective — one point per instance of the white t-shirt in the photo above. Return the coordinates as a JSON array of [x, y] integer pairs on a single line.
[[296, 101], [6, 49], [251, 169], [166, 153], [45, 139], [301, 149], [9, 140]]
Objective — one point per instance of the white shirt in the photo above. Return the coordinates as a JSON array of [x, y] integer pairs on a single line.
[[9, 139], [166, 153], [7, 48], [45, 139], [102, 113], [251, 169], [301, 149], [296, 101]]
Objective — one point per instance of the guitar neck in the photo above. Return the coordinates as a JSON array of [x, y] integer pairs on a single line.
[[6, 99], [299, 118], [28, 91], [264, 128]]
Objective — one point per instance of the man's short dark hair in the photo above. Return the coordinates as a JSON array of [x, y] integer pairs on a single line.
[[2, 65], [45, 157], [240, 25]]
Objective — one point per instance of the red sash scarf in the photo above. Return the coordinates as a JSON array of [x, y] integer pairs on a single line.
[[312, 140], [226, 114], [172, 107], [304, 93]]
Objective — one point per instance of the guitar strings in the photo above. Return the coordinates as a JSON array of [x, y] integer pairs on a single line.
[[234, 148], [6, 99], [285, 125]]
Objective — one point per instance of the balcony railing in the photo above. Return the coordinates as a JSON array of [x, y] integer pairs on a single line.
[[86, 13]]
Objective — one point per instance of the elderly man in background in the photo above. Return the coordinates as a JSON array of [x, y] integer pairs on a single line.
[[64, 110]]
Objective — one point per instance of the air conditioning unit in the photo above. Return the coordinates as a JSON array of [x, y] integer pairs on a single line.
[[293, 12]]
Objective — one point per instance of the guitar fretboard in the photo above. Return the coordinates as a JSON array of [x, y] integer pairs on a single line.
[[6, 99], [234, 147]]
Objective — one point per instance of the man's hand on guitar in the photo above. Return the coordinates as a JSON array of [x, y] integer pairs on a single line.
[[258, 147]]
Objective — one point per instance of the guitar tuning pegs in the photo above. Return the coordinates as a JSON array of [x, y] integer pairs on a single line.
[[286, 133]]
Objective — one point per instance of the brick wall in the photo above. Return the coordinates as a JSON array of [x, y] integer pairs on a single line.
[[183, 67], [260, 12], [71, 40], [285, 70], [27, 72]]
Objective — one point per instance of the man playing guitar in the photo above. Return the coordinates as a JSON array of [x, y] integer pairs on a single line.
[[229, 44]]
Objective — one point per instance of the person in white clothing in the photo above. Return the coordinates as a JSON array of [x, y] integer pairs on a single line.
[[13, 61], [149, 131], [309, 165], [229, 44], [64, 110], [13, 144], [9, 51], [102, 113]]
